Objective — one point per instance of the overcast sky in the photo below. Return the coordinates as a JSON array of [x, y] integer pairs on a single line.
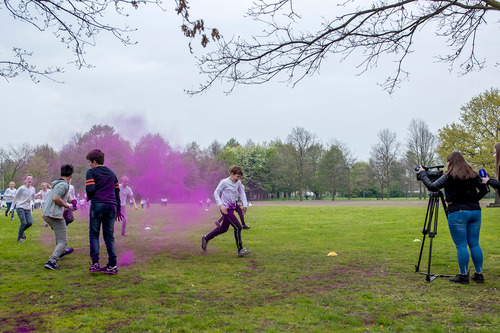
[[140, 89]]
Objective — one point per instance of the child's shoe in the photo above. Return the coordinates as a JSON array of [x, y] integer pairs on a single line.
[[94, 268], [109, 269], [204, 243], [51, 265], [243, 252]]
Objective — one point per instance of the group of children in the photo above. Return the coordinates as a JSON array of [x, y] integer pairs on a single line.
[[108, 199], [106, 196], [58, 199]]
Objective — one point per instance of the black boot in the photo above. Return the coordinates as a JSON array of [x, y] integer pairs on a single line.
[[460, 278], [479, 278]]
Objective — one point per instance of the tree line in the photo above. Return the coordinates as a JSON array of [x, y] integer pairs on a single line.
[[299, 166]]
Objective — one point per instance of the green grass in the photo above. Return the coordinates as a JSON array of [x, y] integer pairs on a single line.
[[486, 200], [287, 283]]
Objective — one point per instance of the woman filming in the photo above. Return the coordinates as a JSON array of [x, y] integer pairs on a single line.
[[492, 182], [463, 189]]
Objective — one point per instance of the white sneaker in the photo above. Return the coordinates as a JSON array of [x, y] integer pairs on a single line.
[[243, 252]]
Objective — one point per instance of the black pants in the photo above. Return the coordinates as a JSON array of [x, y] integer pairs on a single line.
[[228, 219], [240, 213]]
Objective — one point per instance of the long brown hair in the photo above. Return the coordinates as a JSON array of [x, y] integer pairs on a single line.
[[458, 167], [497, 160]]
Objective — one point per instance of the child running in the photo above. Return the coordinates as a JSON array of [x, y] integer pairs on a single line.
[[22, 203], [53, 210], [126, 194], [9, 195], [226, 195], [44, 193]]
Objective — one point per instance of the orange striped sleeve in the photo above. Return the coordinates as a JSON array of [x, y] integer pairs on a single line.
[[90, 182]]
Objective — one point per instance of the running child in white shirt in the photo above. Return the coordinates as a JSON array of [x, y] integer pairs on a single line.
[[226, 195], [22, 201], [44, 193], [126, 194], [9, 195]]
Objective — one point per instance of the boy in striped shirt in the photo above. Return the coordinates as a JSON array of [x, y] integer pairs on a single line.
[[103, 192]]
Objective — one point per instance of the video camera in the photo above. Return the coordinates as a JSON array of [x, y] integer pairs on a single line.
[[434, 174]]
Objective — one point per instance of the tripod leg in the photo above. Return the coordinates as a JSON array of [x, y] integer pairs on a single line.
[[432, 233], [425, 230], [430, 229]]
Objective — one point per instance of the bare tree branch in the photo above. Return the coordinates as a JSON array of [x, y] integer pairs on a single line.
[[11, 69], [385, 29], [77, 23]]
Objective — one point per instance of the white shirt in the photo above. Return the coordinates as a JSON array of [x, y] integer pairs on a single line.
[[227, 193], [44, 194], [23, 197], [125, 192], [9, 194], [71, 193]]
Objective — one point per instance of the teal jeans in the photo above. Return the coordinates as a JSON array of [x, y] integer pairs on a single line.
[[465, 226]]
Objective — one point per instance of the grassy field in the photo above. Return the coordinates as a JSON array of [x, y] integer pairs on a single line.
[[288, 282]]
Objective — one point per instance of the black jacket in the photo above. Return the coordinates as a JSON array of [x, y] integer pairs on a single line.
[[461, 194], [494, 183]]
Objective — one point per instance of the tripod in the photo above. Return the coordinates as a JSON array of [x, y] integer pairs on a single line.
[[430, 228]]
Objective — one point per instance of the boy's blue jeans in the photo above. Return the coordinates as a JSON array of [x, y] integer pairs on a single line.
[[102, 214], [26, 221], [9, 204], [464, 229]]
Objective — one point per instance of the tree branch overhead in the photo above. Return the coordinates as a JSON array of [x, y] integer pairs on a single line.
[[385, 29], [77, 23]]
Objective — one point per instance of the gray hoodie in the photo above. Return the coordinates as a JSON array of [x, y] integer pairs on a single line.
[[60, 188]]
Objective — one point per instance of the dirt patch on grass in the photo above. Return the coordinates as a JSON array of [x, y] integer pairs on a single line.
[[18, 324]]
